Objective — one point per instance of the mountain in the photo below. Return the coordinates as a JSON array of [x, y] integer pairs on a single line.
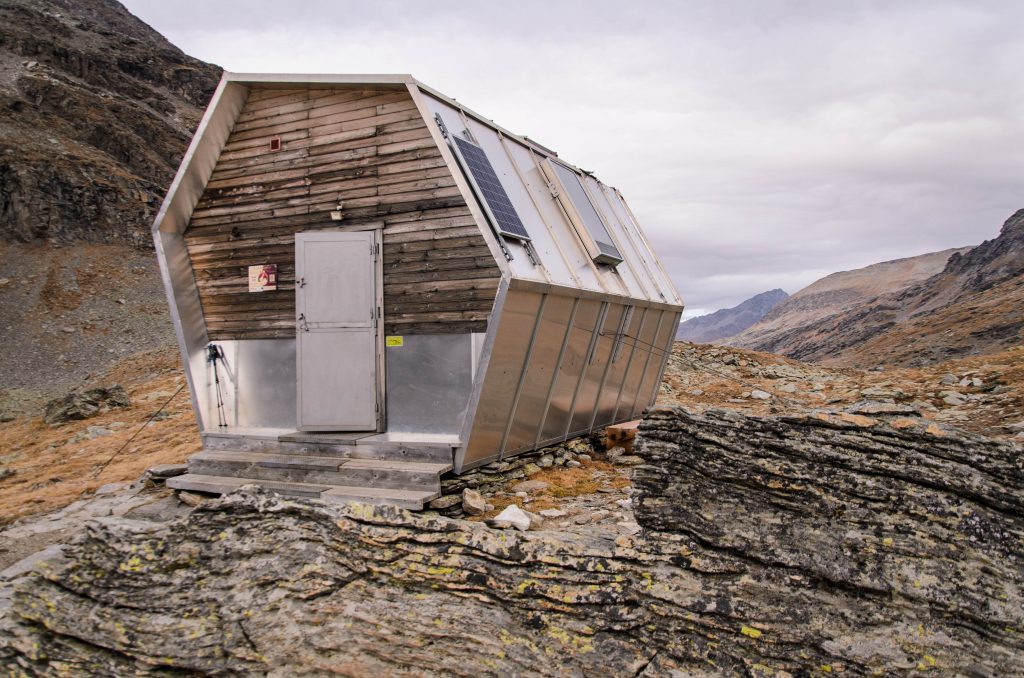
[[96, 111], [974, 305], [836, 293], [726, 322]]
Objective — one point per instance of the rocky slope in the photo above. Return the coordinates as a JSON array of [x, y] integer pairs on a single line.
[[974, 305], [96, 110], [770, 547], [836, 293], [727, 322]]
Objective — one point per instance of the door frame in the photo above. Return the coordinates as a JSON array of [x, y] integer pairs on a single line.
[[378, 268]]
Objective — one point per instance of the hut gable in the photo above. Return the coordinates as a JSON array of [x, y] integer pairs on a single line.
[[293, 156]]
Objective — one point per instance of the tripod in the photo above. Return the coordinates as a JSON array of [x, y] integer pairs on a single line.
[[213, 354]]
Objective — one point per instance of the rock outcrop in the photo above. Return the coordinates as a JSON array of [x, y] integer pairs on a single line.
[[771, 547], [97, 109], [85, 404]]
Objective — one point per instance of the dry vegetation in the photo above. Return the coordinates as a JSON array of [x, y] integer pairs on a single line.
[[563, 484], [50, 467]]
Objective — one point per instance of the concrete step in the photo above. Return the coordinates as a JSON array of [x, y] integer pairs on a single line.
[[313, 469], [413, 500], [223, 484], [408, 499], [312, 446]]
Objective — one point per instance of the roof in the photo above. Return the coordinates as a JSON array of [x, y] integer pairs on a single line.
[[554, 253]]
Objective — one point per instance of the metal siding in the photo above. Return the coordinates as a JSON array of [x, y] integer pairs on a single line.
[[540, 373], [502, 377], [429, 379], [641, 359], [596, 371], [659, 355], [556, 419]]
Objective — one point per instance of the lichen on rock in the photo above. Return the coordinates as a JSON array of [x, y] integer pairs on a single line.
[[770, 547]]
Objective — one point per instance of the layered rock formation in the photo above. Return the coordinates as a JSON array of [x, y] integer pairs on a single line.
[[727, 322], [97, 109], [771, 547]]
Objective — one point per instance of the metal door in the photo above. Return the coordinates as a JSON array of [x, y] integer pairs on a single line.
[[337, 317]]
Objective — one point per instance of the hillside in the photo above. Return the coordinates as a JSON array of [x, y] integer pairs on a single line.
[[726, 322], [836, 293], [973, 305], [96, 110]]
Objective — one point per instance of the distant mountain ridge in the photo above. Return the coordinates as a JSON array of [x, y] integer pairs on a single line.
[[727, 322], [836, 293], [973, 305]]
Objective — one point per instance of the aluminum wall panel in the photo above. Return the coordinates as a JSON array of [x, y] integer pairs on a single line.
[[645, 348], [556, 419], [504, 371], [622, 353], [540, 373], [595, 373], [659, 356], [429, 379]]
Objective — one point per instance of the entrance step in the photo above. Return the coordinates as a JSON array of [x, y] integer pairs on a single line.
[[331, 445], [333, 478], [297, 468]]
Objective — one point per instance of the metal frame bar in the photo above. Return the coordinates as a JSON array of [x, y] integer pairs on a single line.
[[596, 332], [607, 367], [557, 370], [647, 362], [523, 372], [629, 363]]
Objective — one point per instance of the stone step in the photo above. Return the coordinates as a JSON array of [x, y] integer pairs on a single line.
[[292, 468], [408, 499]]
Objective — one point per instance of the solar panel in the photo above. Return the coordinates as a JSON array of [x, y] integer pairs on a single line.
[[497, 199]]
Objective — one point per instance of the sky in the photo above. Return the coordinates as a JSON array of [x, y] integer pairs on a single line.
[[761, 143]]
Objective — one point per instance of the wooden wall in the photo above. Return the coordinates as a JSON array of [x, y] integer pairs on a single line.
[[370, 149]]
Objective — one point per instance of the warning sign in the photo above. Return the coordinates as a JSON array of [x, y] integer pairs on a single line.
[[263, 277], [394, 341]]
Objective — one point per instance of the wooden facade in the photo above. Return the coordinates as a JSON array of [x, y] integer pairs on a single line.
[[370, 150]]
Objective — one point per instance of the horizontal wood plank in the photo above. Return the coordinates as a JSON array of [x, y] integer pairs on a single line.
[[369, 149]]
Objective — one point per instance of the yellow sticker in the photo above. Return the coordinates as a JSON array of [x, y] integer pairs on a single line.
[[394, 341]]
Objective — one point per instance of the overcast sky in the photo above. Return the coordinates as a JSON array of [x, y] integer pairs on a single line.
[[761, 143]]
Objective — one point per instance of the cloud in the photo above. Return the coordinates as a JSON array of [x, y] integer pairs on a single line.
[[761, 145]]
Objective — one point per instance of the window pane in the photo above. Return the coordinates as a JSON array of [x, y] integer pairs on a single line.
[[571, 183]]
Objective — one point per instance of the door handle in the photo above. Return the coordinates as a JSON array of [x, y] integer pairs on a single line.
[[303, 325]]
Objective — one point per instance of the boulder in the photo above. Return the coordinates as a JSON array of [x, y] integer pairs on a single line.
[[84, 404], [473, 503], [512, 516]]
